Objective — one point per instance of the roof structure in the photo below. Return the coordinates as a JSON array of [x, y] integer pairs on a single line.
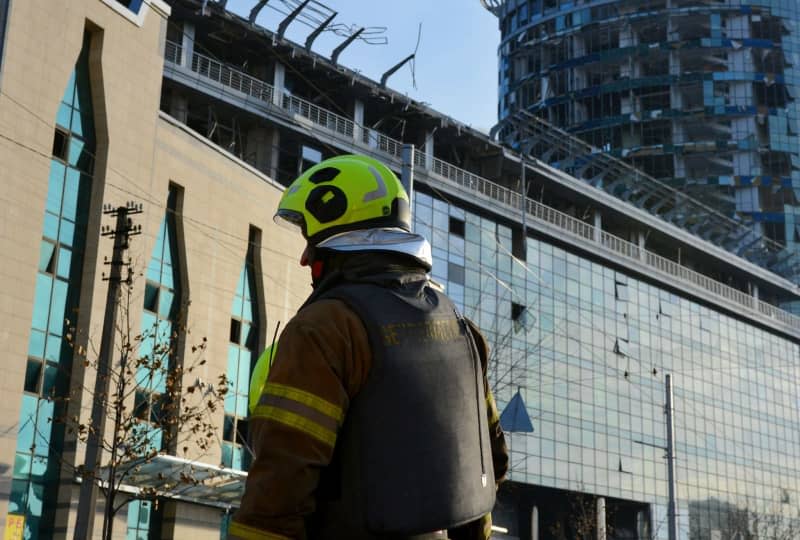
[[538, 139]]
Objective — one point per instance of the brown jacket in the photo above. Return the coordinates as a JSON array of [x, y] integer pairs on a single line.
[[323, 359]]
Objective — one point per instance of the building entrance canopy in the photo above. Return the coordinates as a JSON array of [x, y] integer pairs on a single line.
[[185, 480]]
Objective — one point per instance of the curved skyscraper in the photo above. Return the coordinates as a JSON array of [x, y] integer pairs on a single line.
[[698, 94]]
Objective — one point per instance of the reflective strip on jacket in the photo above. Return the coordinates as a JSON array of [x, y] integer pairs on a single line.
[[294, 430]]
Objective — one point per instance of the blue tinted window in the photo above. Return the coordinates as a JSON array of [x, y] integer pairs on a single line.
[[66, 232], [50, 226], [46, 256], [64, 115], [41, 306], [56, 186], [64, 262], [58, 306], [55, 299], [133, 5], [157, 347], [53, 349], [241, 359], [36, 344], [27, 425], [72, 184]]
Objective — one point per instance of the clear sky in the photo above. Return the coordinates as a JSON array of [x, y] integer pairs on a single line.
[[456, 65]]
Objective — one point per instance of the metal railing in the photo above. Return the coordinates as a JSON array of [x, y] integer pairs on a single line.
[[251, 86], [319, 116], [615, 244], [419, 158], [620, 246], [173, 52], [560, 220], [232, 78], [720, 289], [384, 143], [777, 313]]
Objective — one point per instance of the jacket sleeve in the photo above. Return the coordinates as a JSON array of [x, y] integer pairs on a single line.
[[481, 529], [321, 362], [496, 436]]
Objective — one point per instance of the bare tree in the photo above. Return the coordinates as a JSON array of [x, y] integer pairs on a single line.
[[775, 520], [154, 404], [779, 521], [579, 521]]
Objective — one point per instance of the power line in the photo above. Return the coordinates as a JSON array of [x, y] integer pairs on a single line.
[[145, 195]]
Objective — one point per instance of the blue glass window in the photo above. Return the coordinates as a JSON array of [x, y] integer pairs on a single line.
[[139, 513], [159, 315], [39, 442], [133, 5], [242, 356], [158, 319]]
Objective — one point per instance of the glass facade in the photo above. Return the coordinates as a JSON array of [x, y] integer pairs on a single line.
[[589, 359], [701, 95], [242, 356], [40, 440]]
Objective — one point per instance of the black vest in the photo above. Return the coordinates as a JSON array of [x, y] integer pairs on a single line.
[[413, 455]]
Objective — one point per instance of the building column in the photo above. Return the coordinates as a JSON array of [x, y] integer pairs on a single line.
[[601, 518], [187, 45], [274, 153], [598, 227], [535, 523], [754, 289], [358, 119], [278, 83], [262, 150], [642, 246], [643, 524], [178, 107], [258, 150], [429, 150]]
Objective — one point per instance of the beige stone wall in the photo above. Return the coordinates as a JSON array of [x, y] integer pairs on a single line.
[[43, 42], [139, 153]]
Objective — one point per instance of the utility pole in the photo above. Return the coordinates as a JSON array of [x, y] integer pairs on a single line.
[[672, 508], [121, 234], [672, 505]]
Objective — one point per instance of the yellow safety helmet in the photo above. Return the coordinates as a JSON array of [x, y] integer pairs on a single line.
[[342, 194], [259, 376]]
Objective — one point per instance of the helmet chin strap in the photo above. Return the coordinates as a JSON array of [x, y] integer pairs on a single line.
[[317, 270]]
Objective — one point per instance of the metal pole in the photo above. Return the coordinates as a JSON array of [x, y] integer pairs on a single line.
[[407, 173], [672, 507], [602, 534]]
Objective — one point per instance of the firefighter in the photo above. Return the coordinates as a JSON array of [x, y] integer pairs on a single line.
[[259, 377], [376, 420]]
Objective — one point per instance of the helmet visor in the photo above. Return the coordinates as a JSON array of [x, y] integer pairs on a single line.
[[290, 219]]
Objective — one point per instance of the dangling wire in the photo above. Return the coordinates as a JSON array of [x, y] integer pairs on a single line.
[[413, 64]]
